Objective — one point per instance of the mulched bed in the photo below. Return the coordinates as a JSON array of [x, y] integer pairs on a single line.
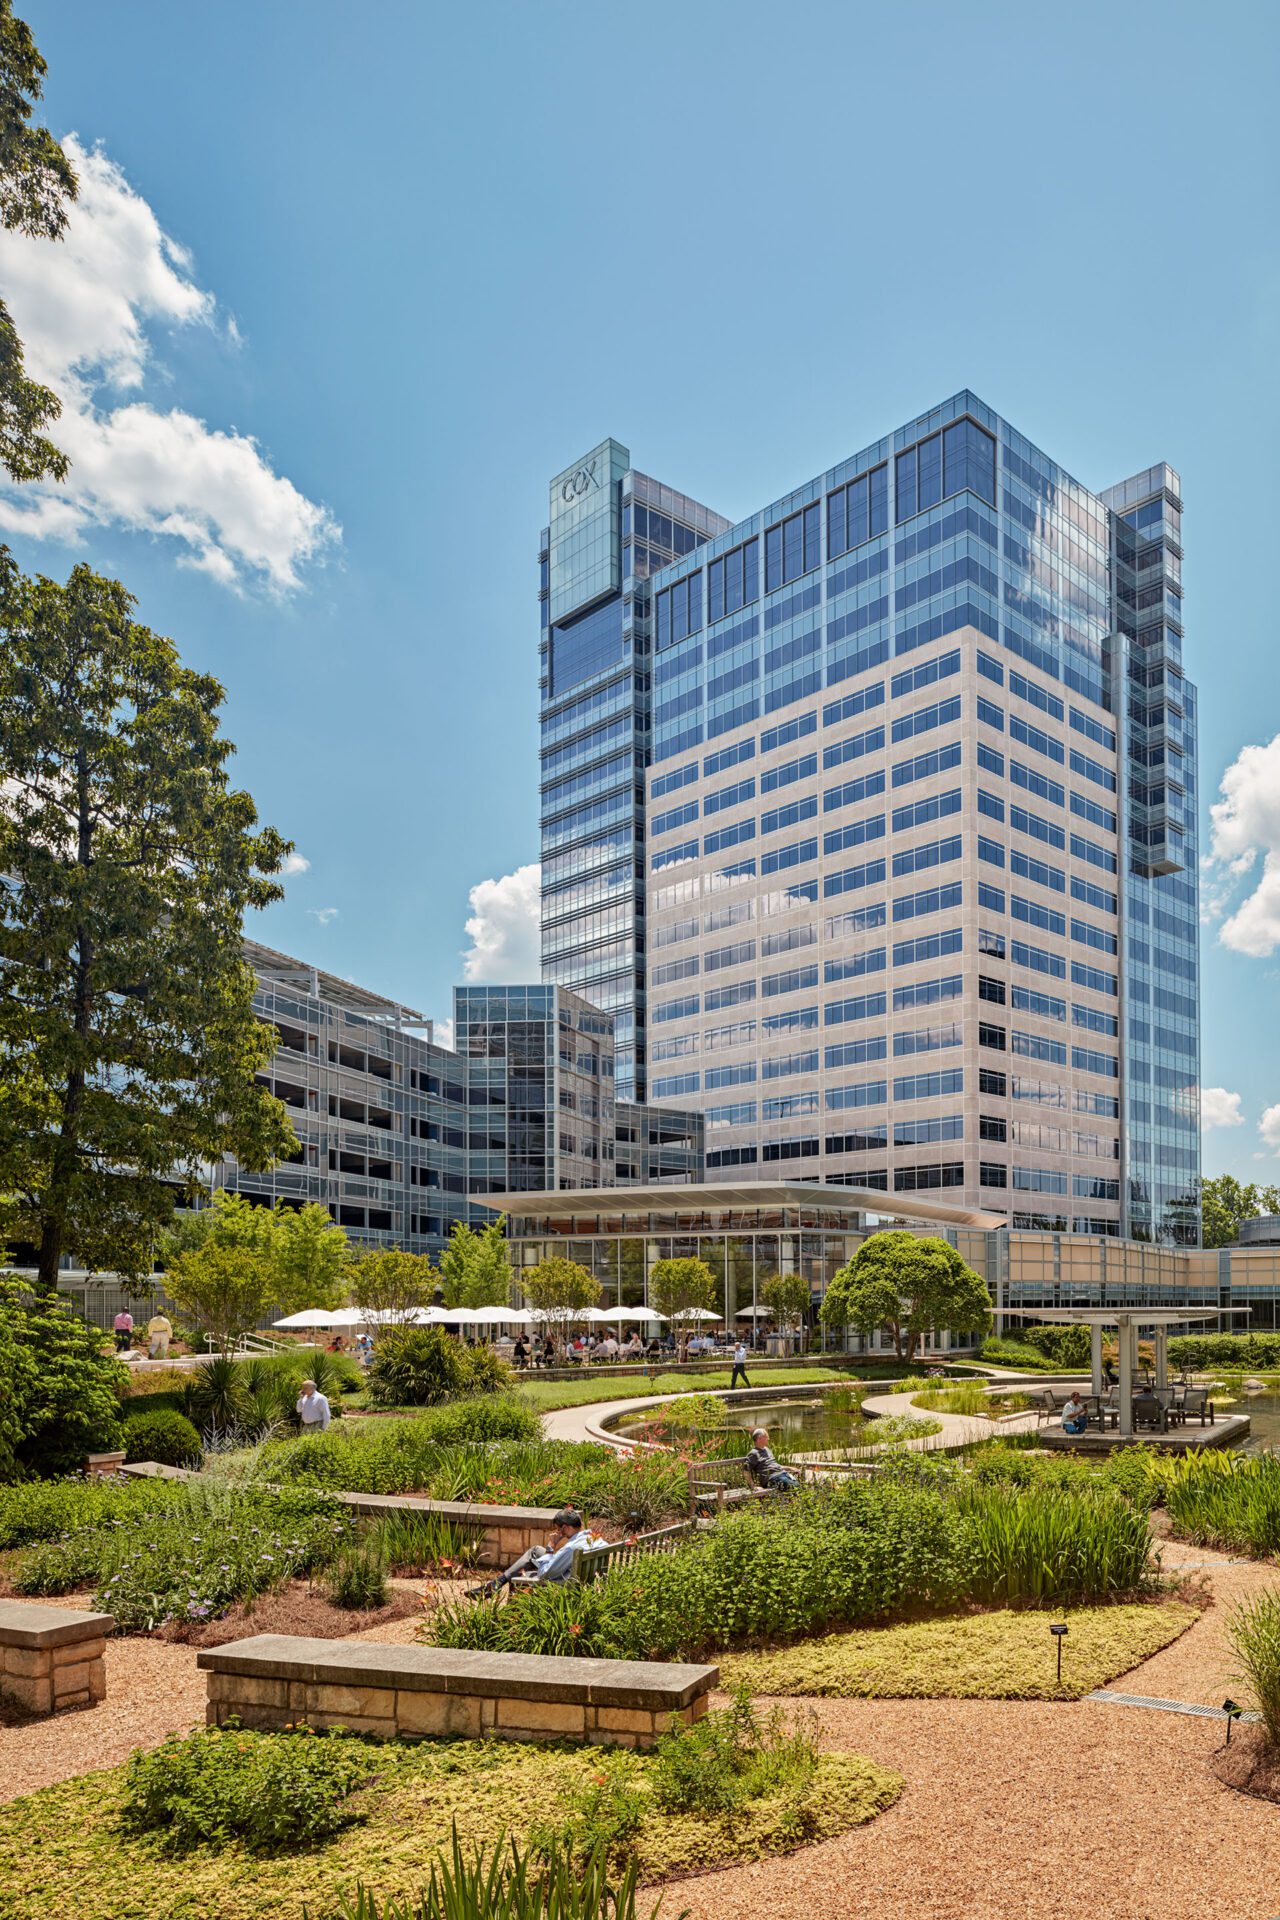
[[292, 1610], [1249, 1765]]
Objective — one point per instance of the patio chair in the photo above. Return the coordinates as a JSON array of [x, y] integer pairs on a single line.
[[1148, 1412], [1196, 1401], [1046, 1408]]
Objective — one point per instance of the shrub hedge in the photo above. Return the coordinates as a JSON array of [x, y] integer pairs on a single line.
[[162, 1435], [1236, 1351], [833, 1556]]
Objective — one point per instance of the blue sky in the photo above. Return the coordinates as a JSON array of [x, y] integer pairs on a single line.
[[423, 256]]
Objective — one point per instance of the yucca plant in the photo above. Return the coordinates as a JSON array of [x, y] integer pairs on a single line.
[[506, 1885], [1255, 1635]]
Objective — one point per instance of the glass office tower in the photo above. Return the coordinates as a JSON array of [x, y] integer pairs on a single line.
[[919, 829], [609, 529]]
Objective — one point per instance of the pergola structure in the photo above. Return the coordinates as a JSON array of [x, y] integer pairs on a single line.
[[1126, 1321]]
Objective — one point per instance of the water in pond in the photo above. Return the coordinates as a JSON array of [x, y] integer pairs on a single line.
[[826, 1422]]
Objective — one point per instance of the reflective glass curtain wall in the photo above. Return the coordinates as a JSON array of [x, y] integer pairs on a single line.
[[609, 529]]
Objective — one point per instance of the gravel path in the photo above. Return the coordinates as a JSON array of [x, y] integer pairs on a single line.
[[1008, 1805], [1012, 1809]]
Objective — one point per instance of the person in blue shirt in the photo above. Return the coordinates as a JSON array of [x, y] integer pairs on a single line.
[[553, 1563]]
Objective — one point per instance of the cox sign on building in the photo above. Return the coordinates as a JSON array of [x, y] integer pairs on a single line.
[[586, 530]]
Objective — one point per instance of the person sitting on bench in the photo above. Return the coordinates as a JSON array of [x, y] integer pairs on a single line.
[[552, 1563], [764, 1469]]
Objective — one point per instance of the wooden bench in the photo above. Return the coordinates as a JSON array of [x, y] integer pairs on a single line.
[[590, 1562], [416, 1692], [716, 1484], [52, 1657]]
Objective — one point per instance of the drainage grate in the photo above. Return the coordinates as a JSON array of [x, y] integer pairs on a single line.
[[1108, 1698]]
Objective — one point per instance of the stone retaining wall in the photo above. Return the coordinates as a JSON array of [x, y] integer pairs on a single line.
[[499, 1533], [397, 1692], [52, 1657]]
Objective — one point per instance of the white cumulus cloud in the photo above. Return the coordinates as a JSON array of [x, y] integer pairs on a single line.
[[86, 308], [503, 929], [295, 863], [323, 914], [1218, 1108], [442, 1032], [1246, 831], [1269, 1128]]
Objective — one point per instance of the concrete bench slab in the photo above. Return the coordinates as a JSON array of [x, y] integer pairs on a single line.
[[399, 1692], [52, 1657]]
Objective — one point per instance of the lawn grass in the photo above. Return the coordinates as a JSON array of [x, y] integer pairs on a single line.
[[62, 1850], [549, 1395], [1002, 1655]]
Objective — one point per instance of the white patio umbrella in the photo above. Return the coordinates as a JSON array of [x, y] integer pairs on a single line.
[[628, 1314], [693, 1313], [754, 1313], [500, 1317], [312, 1318]]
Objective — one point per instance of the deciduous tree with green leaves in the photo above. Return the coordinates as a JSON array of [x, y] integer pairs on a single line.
[[475, 1268], [788, 1295], [909, 1285], [559, 1291], [679, 1288], [128, 1040], [221, 1291], [36, 182], [1225, 1203], [389, 1284]]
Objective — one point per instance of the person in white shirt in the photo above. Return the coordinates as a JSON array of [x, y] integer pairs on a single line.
[[313, 1408], [1075, 1415], [739, 1366]]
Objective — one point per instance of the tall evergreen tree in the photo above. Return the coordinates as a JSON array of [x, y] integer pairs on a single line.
[[128, 1042]]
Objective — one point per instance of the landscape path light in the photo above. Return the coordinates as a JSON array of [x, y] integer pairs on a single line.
[[1233, 1712], [1059, 1632]]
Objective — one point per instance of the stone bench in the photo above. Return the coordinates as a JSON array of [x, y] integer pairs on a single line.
[[52, 1657], [416, 1692]]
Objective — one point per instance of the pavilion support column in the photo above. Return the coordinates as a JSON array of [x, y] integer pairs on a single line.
[[1124, 1363], [1095, 1358], [1162, 1356]]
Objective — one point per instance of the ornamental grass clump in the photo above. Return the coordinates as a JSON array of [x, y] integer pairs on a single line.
[[1049, 1545], [506, 1884], [1255, 1635], [1226, 1500], [269, 1791]]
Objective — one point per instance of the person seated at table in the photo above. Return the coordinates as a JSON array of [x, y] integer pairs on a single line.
[[634, 1348], [1075, 1414], [520, 1352], [764, 1468], [549, 1565]]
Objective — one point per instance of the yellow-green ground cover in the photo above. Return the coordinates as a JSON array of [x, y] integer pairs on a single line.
[[63, 1852], [1002, 1655]]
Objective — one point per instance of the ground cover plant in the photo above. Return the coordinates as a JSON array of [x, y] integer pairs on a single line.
[[1001, 1655], [76, 1847], [47, 1509], [845, 1555], [192, 1556], [406, 1456]]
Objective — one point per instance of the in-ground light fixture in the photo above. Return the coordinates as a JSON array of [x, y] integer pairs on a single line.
[[1059, 1632], [1233, 1712]]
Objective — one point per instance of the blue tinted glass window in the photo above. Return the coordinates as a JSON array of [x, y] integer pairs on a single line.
[[586, 645]]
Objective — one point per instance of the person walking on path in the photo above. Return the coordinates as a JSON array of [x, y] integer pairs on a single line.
[[122, 1326], [159, 1334], [739, 1366], [313, 1408]]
